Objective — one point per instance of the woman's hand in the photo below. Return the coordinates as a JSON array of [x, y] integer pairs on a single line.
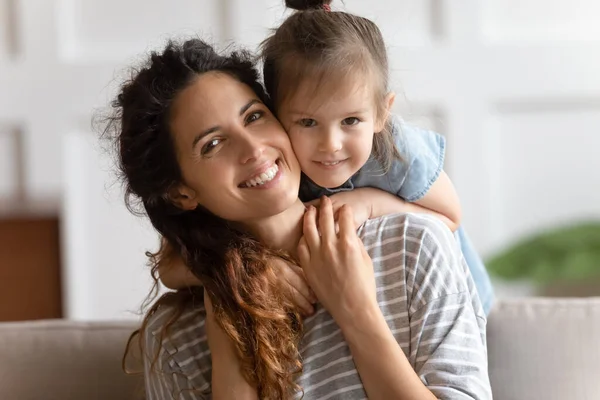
[[295, 287], [336, 265]]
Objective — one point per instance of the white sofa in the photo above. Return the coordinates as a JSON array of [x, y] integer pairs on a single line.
[[538, 349]]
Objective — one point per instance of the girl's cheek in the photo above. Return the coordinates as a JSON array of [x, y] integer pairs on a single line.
[[298, 144]]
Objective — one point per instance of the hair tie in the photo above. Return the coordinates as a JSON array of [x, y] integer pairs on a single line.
[[326, 7]]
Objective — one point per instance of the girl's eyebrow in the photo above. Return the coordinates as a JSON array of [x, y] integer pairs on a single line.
[[297, 112], [307, 114], [213, 129], [361, 111]]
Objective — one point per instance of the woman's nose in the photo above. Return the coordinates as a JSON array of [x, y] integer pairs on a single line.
[[252, 147]]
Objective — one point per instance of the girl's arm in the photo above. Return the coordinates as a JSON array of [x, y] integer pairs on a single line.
[[441, 198], [172, 271], [175, 275], [369, 203]]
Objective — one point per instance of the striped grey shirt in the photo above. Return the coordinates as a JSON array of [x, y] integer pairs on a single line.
[[425, 292]]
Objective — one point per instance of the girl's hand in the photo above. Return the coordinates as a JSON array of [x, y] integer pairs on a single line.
[[336, 265], [174, 274], [172, 271], [360, 200], [296, 289]]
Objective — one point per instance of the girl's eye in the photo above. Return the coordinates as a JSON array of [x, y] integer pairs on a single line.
[[255, 116], [307, 122], [350, 121], [209, 146]]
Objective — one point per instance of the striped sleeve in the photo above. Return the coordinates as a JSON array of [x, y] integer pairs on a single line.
[[448, 346], [164, 378]]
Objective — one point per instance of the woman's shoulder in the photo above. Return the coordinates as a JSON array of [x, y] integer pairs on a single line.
[[423, 248], [176, 335], [175, 352], [404, 226]]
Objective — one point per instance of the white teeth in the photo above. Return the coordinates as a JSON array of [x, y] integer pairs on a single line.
[[264, 177], [330, 163]]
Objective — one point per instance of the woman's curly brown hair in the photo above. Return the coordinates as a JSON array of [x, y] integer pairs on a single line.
[[233, 266]]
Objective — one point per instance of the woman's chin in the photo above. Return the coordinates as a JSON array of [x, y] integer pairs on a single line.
[[283, 202]]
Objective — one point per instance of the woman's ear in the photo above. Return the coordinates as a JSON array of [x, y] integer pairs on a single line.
[[183, 197], [388, 103]]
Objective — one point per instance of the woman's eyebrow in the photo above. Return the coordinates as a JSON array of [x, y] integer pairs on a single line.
[[247, 106], [202, 134], [207, 132]]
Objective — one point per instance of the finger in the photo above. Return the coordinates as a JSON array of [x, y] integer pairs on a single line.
[[298, 280], [314, 203], [303, 252], [326, 222], [311, 296], [346, 223], [311, 233], [301, 302]]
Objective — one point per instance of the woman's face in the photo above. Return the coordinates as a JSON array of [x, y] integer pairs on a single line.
[[235, 158]]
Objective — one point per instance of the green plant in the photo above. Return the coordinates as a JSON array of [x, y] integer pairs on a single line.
[[565, 254]]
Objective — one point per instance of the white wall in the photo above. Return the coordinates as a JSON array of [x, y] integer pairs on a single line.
[[514, 85]]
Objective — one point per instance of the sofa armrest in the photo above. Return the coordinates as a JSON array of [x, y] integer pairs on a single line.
[[545, 348], [60, 359]]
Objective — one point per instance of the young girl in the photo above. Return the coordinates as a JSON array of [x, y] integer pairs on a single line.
[[327, 75]]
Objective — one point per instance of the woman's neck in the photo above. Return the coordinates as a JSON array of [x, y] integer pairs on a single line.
[[282, 231]]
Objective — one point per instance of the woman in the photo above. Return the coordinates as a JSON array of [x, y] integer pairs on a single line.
[[398, 320]]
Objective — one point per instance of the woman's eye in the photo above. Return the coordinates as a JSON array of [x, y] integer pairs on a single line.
[[350, 121], [307, 122], [209, 146], [255, 116]]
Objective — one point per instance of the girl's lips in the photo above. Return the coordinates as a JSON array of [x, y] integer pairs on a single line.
[[329, 165]]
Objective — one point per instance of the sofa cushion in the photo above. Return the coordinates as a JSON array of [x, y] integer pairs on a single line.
[[65, 360], [542, 348]]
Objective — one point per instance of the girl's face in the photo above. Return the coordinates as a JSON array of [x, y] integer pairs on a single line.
[[235, 158], [331, 128]]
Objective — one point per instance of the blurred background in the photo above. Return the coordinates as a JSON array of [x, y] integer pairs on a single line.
[[513, 85]]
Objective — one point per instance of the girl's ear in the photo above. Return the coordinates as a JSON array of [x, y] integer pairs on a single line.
[[388, 104], [183, 197]]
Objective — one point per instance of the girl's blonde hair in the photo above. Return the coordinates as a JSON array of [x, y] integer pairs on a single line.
[[331, 46]]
